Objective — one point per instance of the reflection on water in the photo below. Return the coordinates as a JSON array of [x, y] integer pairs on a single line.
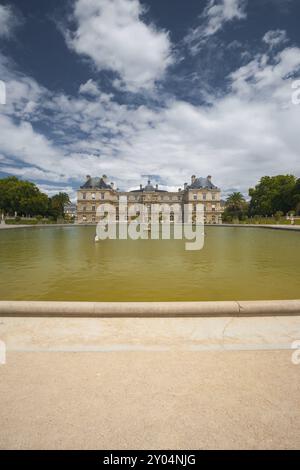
[[66, 264]]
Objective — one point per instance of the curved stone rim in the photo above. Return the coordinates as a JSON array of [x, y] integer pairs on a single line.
[[288, 228], [149, 309]]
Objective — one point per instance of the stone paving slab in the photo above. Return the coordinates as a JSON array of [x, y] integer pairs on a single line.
[[149, 334], [150, 400]]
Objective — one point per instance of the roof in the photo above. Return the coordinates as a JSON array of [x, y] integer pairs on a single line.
[[201, 183], [100, 183], [149, 188], [95, 183]]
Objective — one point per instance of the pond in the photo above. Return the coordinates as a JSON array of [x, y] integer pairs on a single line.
[[64, 263]]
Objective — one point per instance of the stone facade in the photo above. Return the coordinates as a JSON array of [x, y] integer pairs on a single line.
[[97, 191]]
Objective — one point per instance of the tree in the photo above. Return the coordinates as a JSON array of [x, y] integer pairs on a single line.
[[272, 194], [57, 204], [296, 197], [236, 207], [21, 197], [25, 199]]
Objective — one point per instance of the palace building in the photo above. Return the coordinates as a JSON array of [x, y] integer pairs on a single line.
[[97, 191]]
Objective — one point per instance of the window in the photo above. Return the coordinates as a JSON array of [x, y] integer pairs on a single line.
[[213, 196], [83, 195], [204, 196], [93, 196], [195, 197], [102, 195], [84, 209], [93, 208]]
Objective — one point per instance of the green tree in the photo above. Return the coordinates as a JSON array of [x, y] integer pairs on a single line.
[[57, 204], [21, 197], [236, 207], [272, 194], [296, 197]]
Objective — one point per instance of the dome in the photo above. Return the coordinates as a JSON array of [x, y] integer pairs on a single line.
[[149, 187]]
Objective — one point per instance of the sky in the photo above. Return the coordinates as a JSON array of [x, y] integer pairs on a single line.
[[165, 88]]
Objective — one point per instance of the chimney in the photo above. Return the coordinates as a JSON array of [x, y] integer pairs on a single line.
[[193, 179], [112, 185], [104, 177], [179, 190], [185, 186], [156, 186], [209, 177], [141, 187], [88, 177]]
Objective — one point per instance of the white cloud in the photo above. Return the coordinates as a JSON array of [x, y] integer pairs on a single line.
[[8, 21], [23, 143], [275, 38], [89, 88], [113, 34], [250, 132], [51, 190], [28, 172], [216, 14], [265, 78]]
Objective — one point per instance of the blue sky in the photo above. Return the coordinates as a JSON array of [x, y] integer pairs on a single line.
[[164, 88]]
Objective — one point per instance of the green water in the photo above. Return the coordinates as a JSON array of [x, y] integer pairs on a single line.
[[66, 264]]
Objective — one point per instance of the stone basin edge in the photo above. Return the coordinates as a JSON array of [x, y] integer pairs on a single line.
[[149, 309]]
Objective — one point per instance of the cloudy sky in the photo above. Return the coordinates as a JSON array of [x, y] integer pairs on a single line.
[[167, 88]]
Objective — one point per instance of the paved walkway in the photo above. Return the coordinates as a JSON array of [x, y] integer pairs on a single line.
[[157, 400], [144, 383], [148, 334]]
